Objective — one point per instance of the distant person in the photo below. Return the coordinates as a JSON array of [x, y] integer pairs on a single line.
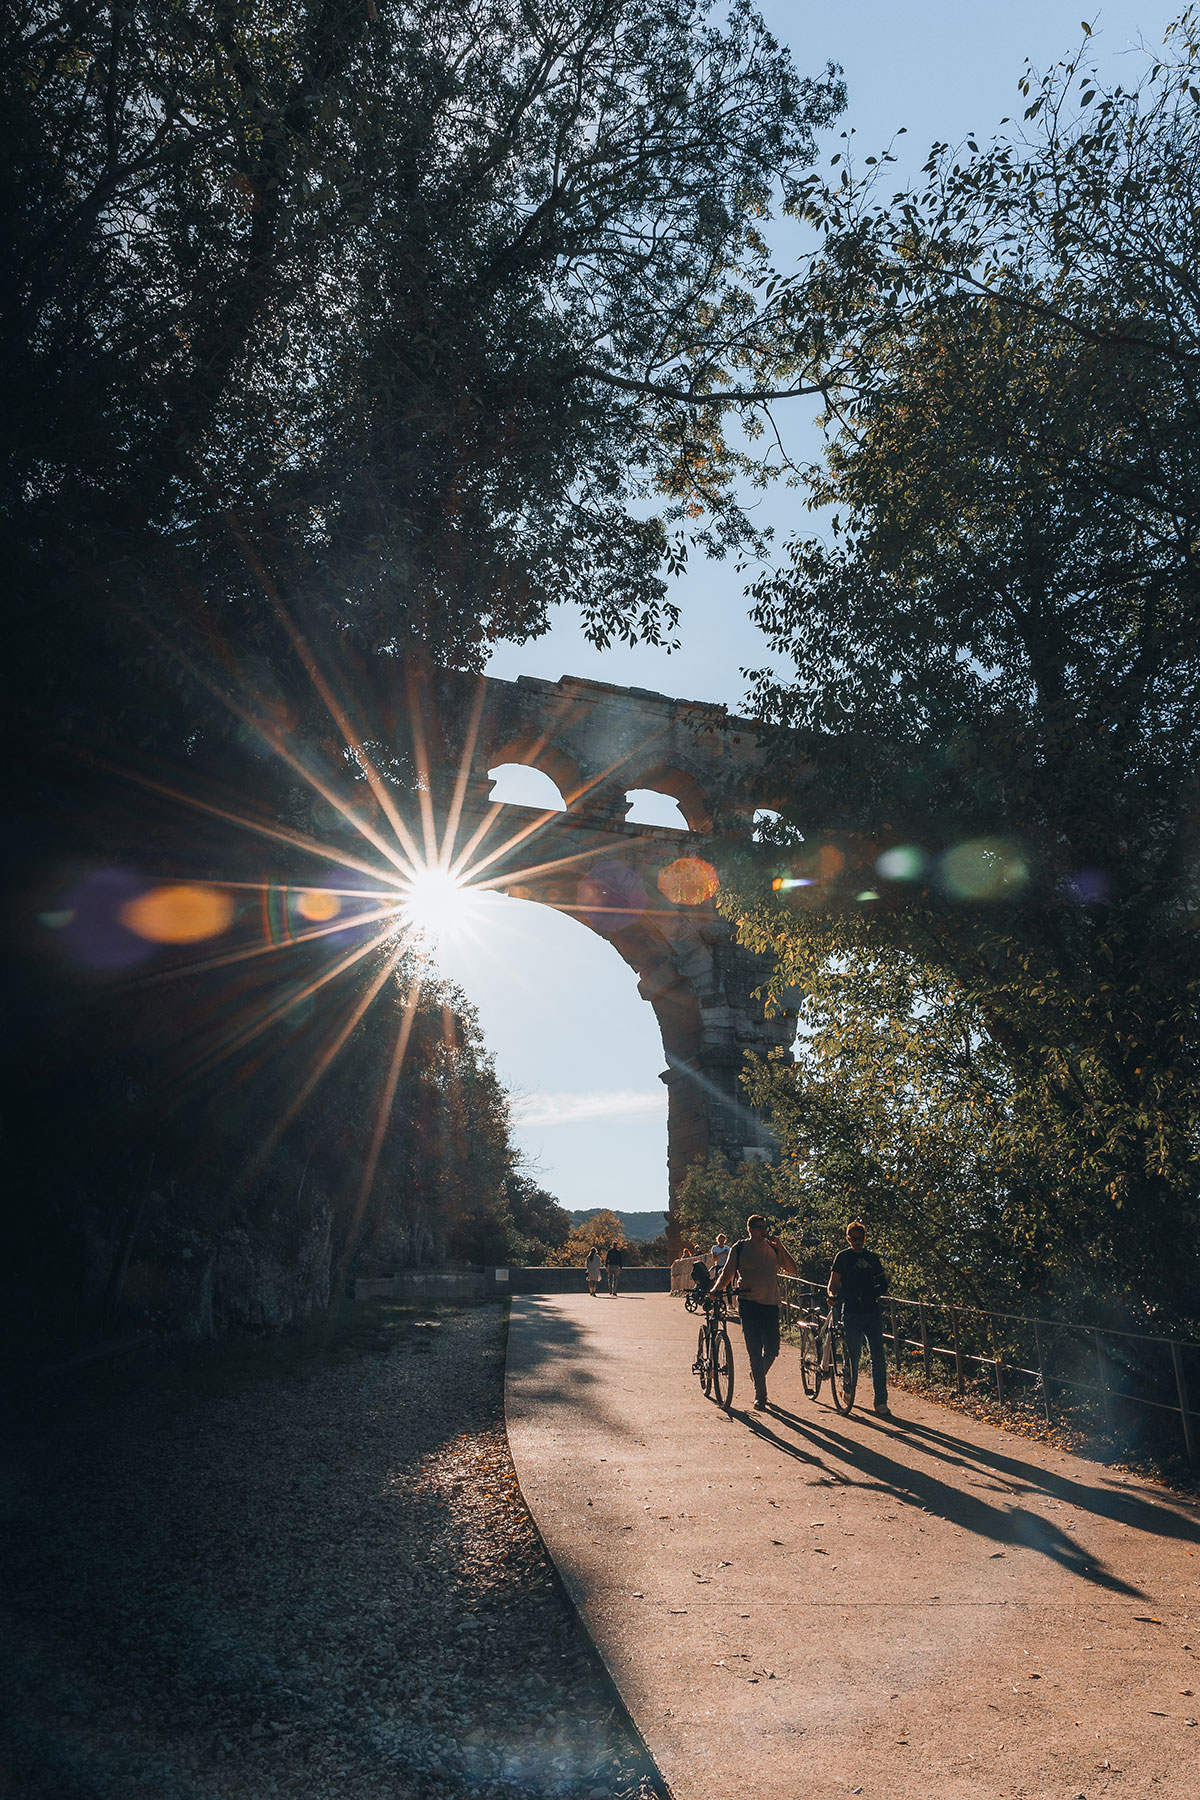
[[755, 1261], [593, 1268], [856, 1281], [720, 1252], [614, 1262]]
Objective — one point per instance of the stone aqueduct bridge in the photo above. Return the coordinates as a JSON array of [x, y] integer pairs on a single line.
[[597, 742]]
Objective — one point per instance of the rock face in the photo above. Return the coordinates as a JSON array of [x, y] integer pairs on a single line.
[[264, 1284], [250, 1276]]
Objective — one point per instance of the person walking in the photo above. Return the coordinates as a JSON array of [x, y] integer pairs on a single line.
[[856, 1281], [720, 1253], [593, 1268], [755, 1262], [614, 1262]]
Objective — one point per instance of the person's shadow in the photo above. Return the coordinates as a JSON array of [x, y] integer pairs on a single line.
[[857, 1461]]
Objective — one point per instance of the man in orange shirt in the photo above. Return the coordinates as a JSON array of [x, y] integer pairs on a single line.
[[755, 1262]]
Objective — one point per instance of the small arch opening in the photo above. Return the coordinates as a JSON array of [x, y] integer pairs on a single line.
[[649, 807], [517, 784]]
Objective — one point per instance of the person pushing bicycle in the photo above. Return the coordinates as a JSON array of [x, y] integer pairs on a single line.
[[856, 1281], [755, 1261]]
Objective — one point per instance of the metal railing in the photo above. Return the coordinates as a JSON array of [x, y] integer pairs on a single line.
[[1040, 1357]]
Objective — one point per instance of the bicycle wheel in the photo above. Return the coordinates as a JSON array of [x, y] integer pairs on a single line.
[[843, 1376], [810, 1362], [722, 1369], [703, 1363]]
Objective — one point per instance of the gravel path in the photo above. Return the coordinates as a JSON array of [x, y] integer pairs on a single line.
[[323, 1583]]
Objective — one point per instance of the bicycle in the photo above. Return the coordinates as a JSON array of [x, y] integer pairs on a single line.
[[823, 1352], [714, 1357]]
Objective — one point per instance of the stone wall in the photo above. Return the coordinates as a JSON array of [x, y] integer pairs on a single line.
[[493, 1284]]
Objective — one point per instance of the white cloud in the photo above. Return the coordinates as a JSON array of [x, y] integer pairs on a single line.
[[569, 1109]]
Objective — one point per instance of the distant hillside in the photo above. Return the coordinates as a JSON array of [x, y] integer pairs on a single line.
[[639, 1227]]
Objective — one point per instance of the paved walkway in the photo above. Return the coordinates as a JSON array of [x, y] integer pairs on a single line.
[[796, 1606]]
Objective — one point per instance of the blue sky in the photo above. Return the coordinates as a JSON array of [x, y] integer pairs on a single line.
[[559, 1008]]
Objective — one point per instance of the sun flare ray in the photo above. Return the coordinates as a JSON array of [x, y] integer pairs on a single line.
[[220, 1053], [282, 834], [249, 952], [325, 1059], [277, 741], [527, 830], [386, 1099], [336, 711], [446, 851]]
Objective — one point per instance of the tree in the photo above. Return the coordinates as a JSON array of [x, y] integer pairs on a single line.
[[540, 1224], [339, 340], [597, 1233], [393, 317], [715, 1196], [997, 677]]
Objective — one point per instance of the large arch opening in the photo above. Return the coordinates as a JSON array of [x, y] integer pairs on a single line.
[[577, 1046], [649, 806], [520, 784]]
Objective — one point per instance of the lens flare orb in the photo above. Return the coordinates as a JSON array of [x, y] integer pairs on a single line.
[[903, 862], [611, 897], [689, 881], [318, 905], [984, 869], [179, 914]]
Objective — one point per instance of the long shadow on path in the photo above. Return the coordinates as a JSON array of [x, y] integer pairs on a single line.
[[853, 1462]]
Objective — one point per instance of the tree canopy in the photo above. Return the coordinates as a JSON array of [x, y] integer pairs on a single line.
[[340, 339], [423, 318], [997, 692]]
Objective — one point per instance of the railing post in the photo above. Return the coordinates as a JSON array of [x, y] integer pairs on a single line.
[[1103, 1383], [958, 1366], [1037, 1343], [1181, 1388], [925, 1343], [895, 1334]]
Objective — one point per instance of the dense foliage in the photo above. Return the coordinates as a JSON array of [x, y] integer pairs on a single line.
[[397, 314], [340, 339], [599, 1232], [997, 689]]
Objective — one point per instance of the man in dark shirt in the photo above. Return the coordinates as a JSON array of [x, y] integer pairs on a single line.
[[614, 1262], [856, 1281]]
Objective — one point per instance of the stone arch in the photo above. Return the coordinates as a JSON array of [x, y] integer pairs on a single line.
[[683, 787], [542, 753], [596, 743], [541, 797], [650, 804]]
